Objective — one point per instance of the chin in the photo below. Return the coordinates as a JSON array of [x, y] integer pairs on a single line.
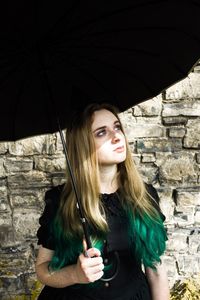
[[120, 160]]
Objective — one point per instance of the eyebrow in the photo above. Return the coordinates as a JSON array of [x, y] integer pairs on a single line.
[[103, 127]]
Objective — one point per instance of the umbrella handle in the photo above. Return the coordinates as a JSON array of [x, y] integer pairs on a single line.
[[116, 271]]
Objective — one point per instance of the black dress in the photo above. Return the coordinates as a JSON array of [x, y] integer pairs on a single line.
[[130, 282]]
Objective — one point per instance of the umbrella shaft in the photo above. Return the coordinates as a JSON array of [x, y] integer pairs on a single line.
[[79, 205]]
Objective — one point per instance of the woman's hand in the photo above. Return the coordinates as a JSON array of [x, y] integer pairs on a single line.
[[89, 268]]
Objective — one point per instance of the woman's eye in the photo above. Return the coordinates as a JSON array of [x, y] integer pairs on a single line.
[[118, 127], [104, 132], [100, 133]]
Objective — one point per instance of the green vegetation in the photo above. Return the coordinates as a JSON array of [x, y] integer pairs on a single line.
[[187, 290]]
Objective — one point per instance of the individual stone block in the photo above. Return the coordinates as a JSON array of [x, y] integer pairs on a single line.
[[177, 132], [2, 169], [175, 168], [189, 108], [3, 148], [33, 179], [194, 243], [185, 198], [148, 157], [14, 165], [175, 120], [50, 164], [159, 145], [44, 144], [26, 223], [184, 216], [145, 131], [188, 265], [192, 137], [177, 241]]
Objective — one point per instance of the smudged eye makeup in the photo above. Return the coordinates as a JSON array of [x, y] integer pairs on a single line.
[[102, 131]]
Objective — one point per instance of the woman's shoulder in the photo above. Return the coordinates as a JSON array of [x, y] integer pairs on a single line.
[[155, 199], [53, 195], [54, 191], [52, 200], [151, 190]]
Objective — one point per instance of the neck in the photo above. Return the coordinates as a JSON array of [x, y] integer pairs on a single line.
[[108, 179]]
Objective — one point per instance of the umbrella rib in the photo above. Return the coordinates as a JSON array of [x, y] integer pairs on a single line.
[[14, 69], [121, 70], [121, 30], [112, 13], [114, 67], [18, 97]]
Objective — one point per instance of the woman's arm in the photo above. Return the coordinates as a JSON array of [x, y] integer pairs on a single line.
[[87, 269], [158, 283]]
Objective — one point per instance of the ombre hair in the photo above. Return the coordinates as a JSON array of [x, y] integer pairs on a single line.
[[144, 218]]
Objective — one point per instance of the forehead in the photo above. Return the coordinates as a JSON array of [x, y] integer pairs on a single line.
[[103, 117]]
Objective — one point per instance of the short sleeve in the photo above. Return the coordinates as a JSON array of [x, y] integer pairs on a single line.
[[156, 200], [45, 234]]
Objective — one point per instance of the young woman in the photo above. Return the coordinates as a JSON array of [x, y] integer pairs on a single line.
[[124, 218]]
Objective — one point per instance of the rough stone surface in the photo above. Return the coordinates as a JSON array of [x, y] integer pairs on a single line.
[[159, 145], [149, 157], [178, 241], [33, 146], [198, 157], [2, 169], [149, 108], [177, 132], [150, 131], [25, 223], [189, 108], [13, 165], [52, 164], [164, 138], [188, 88], [192, 137], [3, 148], [27, 198], [178, 168], [175, 121], [33, 179], [185, 198]]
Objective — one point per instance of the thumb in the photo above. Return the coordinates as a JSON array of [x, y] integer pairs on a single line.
[[92, 252], [85, 248], [84, 245]]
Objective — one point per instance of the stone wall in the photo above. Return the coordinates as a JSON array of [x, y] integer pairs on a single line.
[[164, 135]]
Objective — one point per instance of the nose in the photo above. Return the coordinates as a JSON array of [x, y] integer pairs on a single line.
[[115, 136]]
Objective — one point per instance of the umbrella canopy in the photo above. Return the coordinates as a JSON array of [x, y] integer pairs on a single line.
[[58, 57]]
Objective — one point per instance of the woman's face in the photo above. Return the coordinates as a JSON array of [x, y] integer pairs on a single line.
[[109, 138]]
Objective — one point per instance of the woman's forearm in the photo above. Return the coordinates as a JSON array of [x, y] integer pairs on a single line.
[[57, 279], [87, 269], [158, 283]]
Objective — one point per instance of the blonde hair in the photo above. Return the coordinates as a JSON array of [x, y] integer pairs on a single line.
[[84, 163]]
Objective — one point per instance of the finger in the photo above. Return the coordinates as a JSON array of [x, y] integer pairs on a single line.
[[93, 252], [85, 251], [97, 269], [91, 262], [91, 276], [97, 276]]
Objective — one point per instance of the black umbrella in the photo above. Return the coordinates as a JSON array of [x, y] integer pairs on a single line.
[[126, 50], [55, 58]]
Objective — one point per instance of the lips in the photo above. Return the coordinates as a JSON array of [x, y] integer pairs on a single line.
[[119, 149]]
